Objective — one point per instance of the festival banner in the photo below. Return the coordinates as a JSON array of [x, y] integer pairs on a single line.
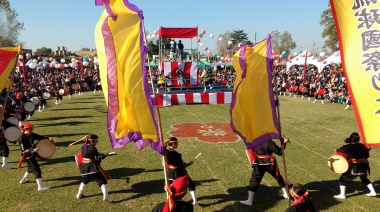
[[8, 59], [189, 70], [253, 107], [358, 26], [121, 53]]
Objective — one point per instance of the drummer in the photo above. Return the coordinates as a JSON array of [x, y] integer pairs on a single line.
[[358, 165], [4, 149], [58, 87], [29, 152], [18, 100], [26, 98], [40, 94]]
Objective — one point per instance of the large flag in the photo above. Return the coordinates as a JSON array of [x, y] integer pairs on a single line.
[[358, 26], [253, 108], [121, 54], [8, 59], [189, 69]]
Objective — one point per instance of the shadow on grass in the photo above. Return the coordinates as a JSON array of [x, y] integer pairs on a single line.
[[57, 160], [74, 180], [142, 189], [68, 123], [63, 109], [265, 198], [323, 199], [124, 173], [61, 118]]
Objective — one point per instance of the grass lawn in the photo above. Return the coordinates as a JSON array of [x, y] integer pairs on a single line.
[[221, 174]]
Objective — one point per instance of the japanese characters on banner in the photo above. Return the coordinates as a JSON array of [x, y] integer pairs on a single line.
[[358, 27]]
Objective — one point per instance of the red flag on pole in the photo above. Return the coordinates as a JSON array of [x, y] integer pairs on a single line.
[[305, 69]]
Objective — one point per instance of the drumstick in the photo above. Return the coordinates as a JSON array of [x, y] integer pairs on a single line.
[[77, 141], [197, 156], [111, 153]]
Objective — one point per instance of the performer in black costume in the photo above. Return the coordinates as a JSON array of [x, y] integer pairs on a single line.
[[40, 94], [90, 167], [4, 149], [358, 155], [302, 202], [176, 190], [265, 162], [29, 151], [176, 167]]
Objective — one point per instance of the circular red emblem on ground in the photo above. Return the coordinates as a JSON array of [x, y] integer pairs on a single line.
[[207, 132]]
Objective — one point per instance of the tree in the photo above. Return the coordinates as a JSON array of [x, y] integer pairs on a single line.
[[10, 28], [282, 42], [44, 51], [85, 49], [329, 32], [221, 47], [153, 49], [239, 36]]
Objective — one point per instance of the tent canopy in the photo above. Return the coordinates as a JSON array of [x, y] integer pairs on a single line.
[[166, 32]]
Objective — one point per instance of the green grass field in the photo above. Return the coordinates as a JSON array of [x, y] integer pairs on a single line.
[[221, 174]]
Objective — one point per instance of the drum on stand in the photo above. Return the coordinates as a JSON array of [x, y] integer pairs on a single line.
[[46, 148], [13, 120], [338, 162], [29, 107], [12, 134]]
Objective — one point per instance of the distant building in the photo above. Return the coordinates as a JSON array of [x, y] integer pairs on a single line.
[[83, 53], [61, 50]]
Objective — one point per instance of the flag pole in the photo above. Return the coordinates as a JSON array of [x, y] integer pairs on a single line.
[[158, 112], [282, 145]]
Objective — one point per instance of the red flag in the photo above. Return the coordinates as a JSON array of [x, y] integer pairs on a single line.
[[8, 59], [305, 69]]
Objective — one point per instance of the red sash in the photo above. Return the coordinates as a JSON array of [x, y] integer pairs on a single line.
[[22, 160]]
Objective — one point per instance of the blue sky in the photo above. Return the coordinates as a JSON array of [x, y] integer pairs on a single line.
[[71, 23]]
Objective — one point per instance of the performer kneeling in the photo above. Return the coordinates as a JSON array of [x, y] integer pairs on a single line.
[[358, 165], [29, 153], [177, 190], [90, 167], [265, 162], [177, 167], [302, 202]]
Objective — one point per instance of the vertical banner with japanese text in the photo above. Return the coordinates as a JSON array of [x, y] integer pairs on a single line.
[[358, 26]]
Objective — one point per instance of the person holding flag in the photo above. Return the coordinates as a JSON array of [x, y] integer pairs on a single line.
[[176, 190], [265, 162]]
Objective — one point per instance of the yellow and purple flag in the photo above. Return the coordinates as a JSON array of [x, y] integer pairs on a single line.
[[358, 26], [121, 54], [8, 58], [253, 107]]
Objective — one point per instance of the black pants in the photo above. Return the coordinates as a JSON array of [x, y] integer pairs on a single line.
[[97, 176], [33, 167], [59, 97], [258, 174], [4, 149], [348, 177]]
